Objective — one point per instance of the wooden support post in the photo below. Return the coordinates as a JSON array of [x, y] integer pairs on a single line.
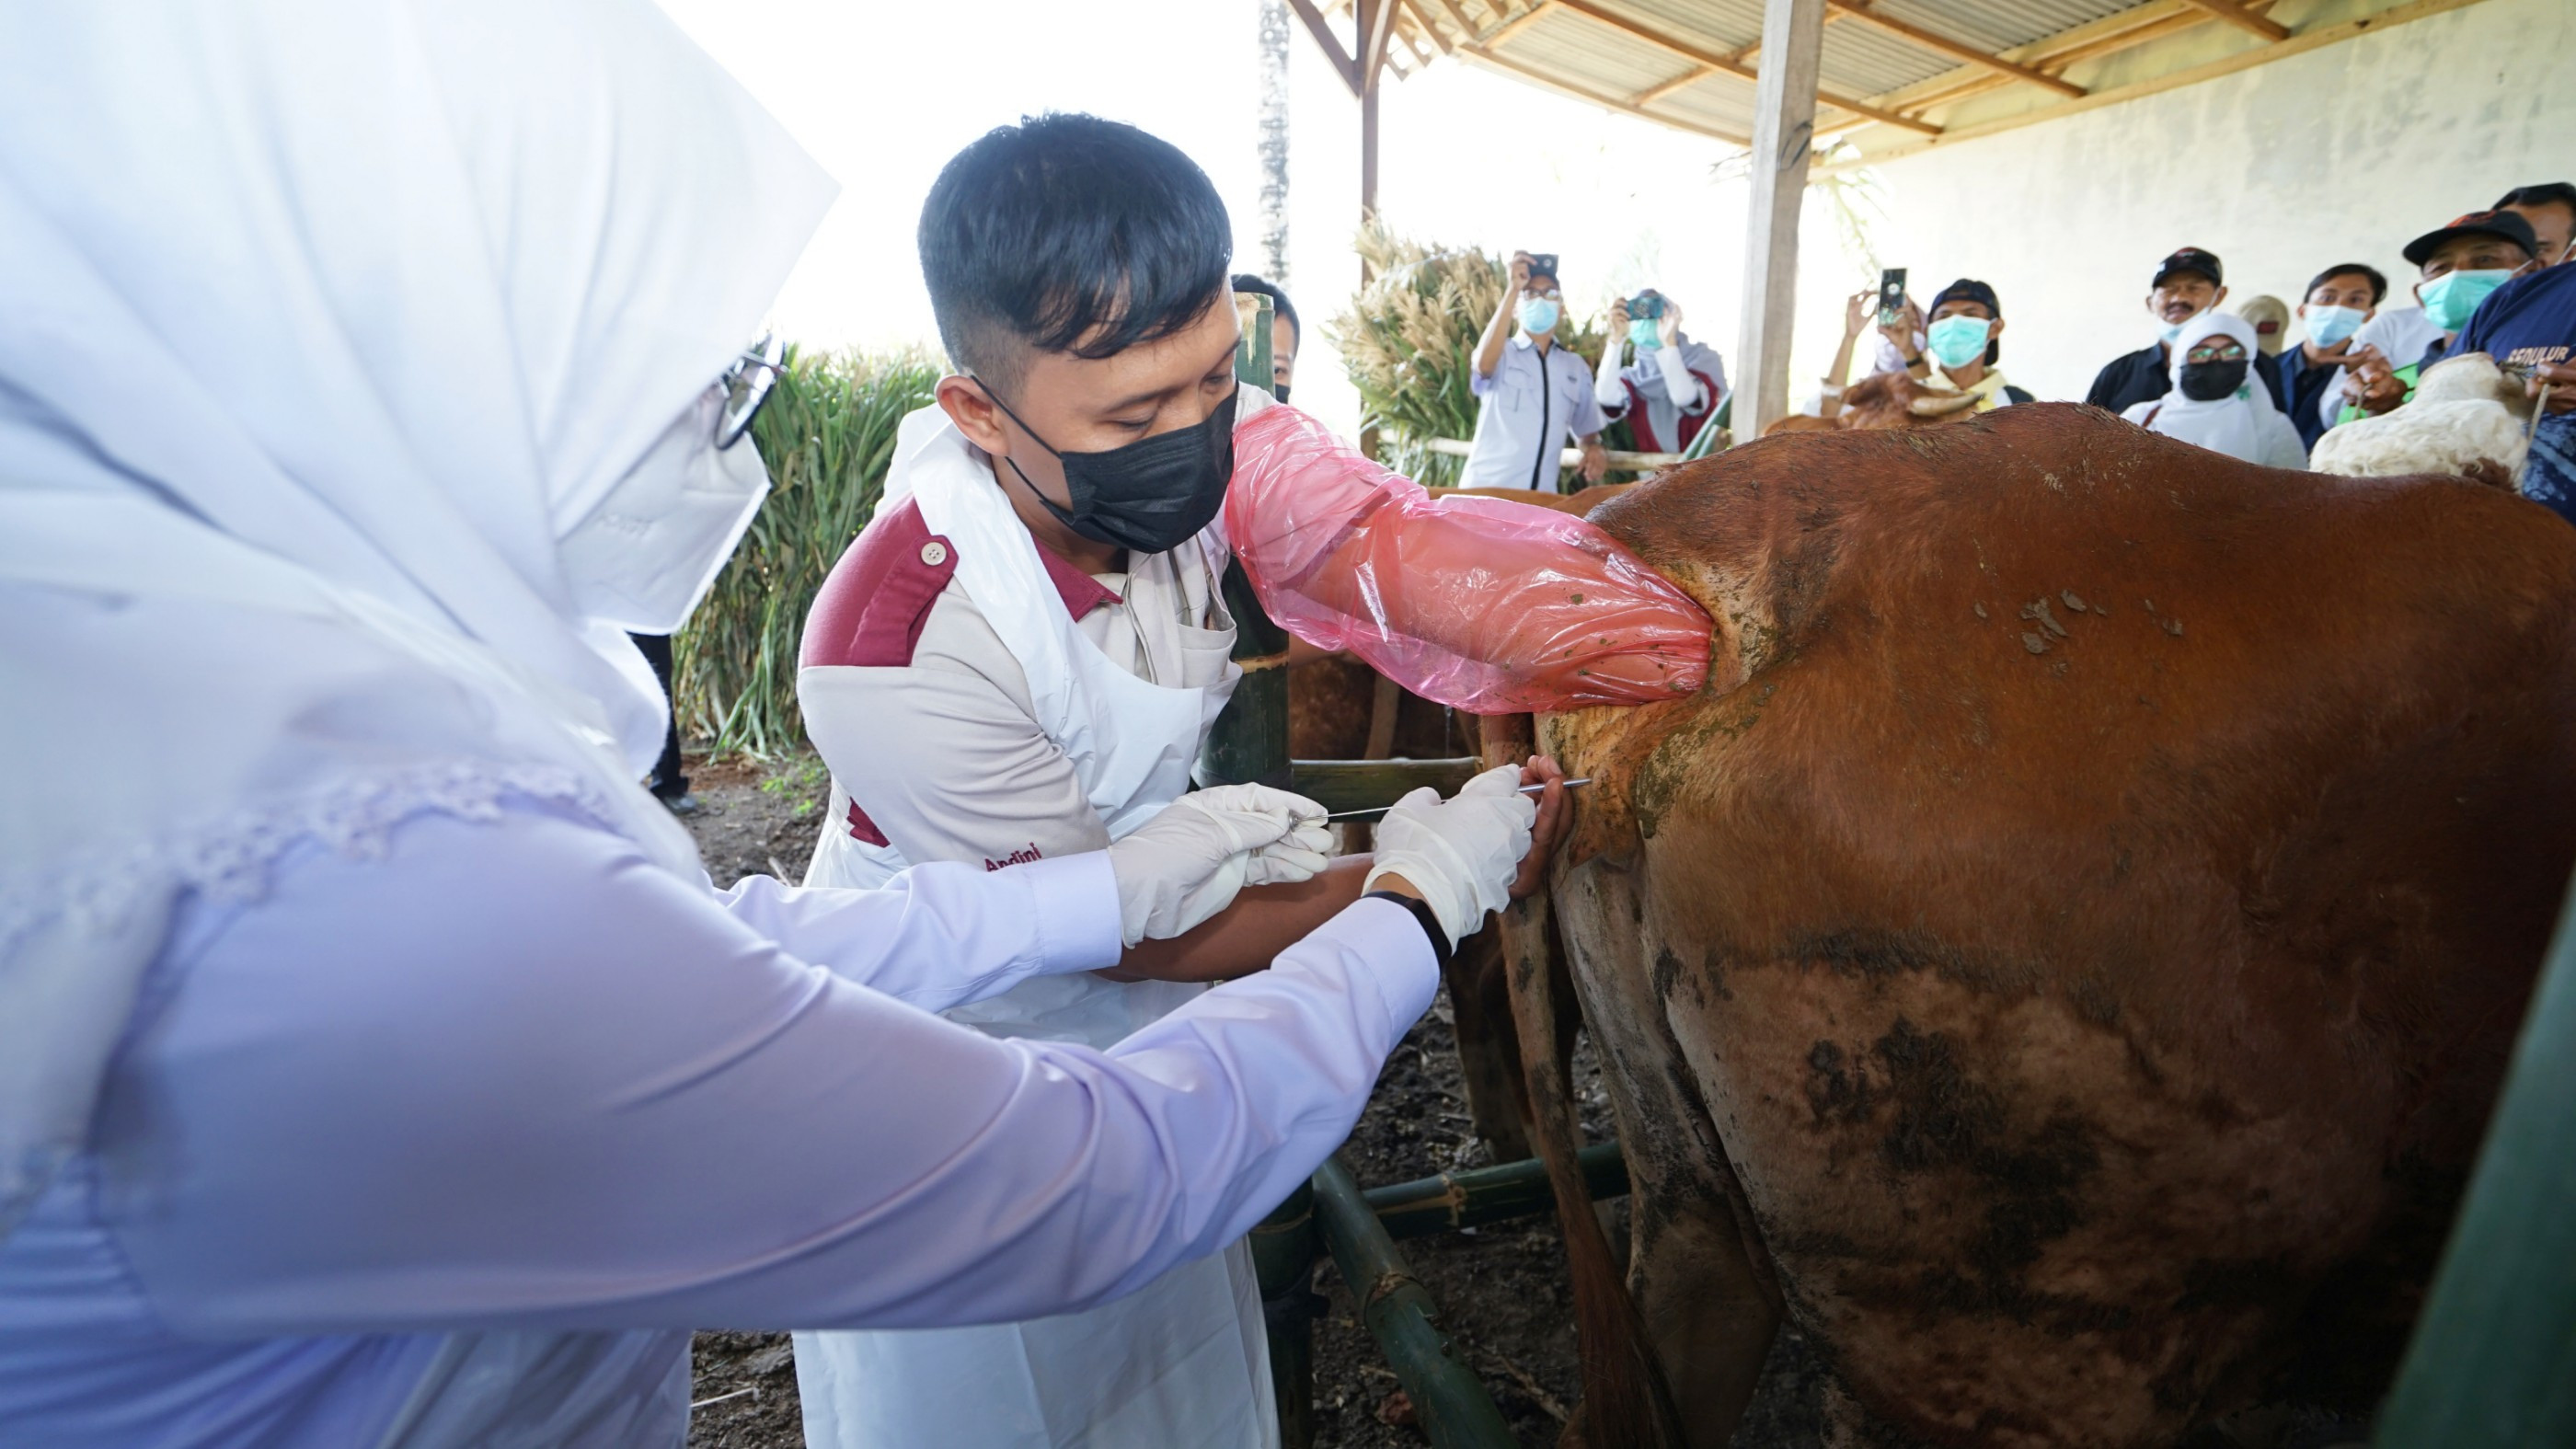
[[1784, 126]]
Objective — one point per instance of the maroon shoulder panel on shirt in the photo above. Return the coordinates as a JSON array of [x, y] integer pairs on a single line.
[[873, 605]]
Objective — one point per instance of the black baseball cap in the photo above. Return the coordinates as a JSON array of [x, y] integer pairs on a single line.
[[2506, 224], [2191, 259], [1969, 289], [1966, 289]]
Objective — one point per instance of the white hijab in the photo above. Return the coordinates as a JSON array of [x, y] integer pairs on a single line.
[[354, 370], [2244, 424]]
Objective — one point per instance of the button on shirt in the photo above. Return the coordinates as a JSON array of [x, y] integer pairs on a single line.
[[1533, 405]]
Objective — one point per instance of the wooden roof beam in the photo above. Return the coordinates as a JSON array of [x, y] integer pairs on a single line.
[[1331, 44], [1956, 49], [1489, 56], [1467, 32], [1377, 24], [1744, 53], [1518, 23], [1428, 28], [2243, 19], [1712, 63]]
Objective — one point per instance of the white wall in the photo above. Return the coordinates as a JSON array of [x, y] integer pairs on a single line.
[[2339, 154]]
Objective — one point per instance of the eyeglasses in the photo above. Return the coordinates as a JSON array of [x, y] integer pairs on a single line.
[[746, 386], [2227, 351]]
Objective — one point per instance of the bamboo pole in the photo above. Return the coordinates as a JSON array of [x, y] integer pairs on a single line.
[[1455, 1409], [1455, 1200]]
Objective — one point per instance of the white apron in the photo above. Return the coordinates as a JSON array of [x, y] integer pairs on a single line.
[[1184, 1360]]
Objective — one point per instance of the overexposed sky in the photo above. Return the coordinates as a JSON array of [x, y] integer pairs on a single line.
[[883, 95]]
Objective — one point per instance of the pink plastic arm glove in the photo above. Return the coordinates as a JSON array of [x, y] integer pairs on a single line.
[[1488, 606]]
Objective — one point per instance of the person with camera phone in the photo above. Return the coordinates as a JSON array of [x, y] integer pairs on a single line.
[[1533, 397], [1673, 386]]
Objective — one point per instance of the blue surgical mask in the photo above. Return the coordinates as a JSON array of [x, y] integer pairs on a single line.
[[2452, 297], [2170, 331], [1957, 341], [2330, 325], [1646, 332], [1538, 315]]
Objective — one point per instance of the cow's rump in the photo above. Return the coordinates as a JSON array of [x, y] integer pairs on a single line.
[[2088, 911]]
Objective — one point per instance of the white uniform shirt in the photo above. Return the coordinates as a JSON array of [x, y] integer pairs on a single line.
[[1529, 410], [511, 1076], [925, 718]]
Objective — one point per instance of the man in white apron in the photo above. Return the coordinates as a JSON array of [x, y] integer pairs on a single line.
[[1019, 660]]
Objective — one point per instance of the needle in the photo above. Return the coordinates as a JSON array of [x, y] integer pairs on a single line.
[[1381, 810]]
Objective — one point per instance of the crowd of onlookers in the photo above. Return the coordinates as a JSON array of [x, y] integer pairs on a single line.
[[2233, 379]]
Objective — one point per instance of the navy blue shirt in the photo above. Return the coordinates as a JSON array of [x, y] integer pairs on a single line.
[[2297, 387], [2533, 320]]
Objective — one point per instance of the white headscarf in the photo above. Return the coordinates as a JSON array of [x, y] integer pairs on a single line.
[[354, 369], [2244, 424]]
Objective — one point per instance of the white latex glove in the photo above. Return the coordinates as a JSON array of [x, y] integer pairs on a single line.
[[1186, 864], [1461, 853]]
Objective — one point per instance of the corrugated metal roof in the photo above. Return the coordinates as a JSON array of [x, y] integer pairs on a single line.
[[1623, 49], [1863, 60], [1719, 25], [1588, 53]]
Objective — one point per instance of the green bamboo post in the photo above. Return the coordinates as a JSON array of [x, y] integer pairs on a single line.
[[2493, 1360], [1455, 1410], [1455, 1200], [1373, 785], [1248, 744], [1283, 1262]]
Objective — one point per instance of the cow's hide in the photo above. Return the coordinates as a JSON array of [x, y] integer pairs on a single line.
[[2067, 954]]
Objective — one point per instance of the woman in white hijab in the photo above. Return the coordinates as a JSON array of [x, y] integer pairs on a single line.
[[2215, 401], [377, 1066]]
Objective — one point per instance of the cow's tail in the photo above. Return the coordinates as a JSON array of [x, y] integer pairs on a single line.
[[1625, 1403]]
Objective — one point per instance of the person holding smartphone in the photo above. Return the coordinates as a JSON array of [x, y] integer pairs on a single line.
[[1674, 384], [1533, 397]]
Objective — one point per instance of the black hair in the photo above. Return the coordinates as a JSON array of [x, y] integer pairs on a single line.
[[1068, 233], [1279, 303], [2378, 280], [2545, 193]]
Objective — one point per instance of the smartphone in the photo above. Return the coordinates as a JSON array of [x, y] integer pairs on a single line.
[[1542, 264], [1891, 296], [1649, 308]]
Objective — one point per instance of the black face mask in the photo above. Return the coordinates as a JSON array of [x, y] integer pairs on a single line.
[[2210, 381], [1279, 391], [1147, 497]]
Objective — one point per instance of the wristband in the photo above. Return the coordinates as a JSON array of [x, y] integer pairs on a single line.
[[1441, 950]]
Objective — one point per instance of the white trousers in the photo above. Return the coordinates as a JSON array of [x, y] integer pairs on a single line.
[[1182, 1362]]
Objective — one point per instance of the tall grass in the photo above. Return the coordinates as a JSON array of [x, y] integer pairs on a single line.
[[827, 434], [1409, 340]]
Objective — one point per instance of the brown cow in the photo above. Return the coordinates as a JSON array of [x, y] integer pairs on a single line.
[[1882, 400], [2065, 958]]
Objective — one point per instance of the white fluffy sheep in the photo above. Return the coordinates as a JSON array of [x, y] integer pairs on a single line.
[[2467, 417]]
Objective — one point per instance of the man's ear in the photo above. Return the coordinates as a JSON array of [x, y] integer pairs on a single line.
[[2216, 301], [972, 410], [1994, 329]]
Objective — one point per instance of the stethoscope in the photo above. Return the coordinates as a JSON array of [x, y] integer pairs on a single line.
[[1136, 625]]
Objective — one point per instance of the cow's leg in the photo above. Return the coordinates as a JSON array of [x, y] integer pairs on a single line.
[[1625, 1404], [1698, 1272], [1489, 1060]]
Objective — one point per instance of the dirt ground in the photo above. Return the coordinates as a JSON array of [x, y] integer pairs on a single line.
[[1502, 1289]]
